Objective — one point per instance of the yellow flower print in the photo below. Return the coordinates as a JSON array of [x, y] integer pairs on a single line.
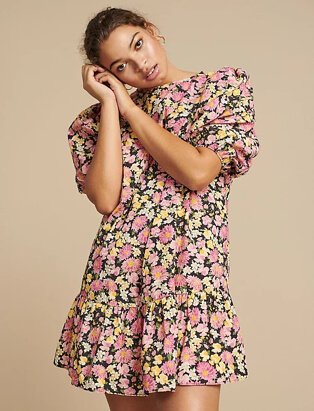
[[204, 355], [228, 322], [155, 370], [83, 360], [146, 367], [215, 358], [81, 378], [217, 347], [160, 184], [158, 359], [163, 379], [221, 367]]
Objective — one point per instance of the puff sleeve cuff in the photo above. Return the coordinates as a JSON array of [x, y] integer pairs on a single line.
[[82, 138], [225, 121]]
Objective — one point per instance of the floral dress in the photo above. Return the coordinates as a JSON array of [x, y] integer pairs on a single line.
[[154, 309]]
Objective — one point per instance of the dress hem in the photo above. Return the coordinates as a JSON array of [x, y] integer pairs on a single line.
[[236, 378]]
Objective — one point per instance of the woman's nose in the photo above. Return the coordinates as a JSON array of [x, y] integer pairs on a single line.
[[142, 66]]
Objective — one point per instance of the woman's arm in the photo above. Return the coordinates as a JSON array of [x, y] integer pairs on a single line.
[[195, 168], [104, 177]]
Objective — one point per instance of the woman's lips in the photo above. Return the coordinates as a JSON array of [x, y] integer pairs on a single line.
[[154, 74]]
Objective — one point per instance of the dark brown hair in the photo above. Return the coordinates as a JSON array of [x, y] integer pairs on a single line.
[[102, 24]]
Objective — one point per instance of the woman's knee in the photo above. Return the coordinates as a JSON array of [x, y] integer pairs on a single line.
[[191, 398], [131, 403]]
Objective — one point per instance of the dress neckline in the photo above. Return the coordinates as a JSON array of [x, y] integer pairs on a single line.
[[174, 83]]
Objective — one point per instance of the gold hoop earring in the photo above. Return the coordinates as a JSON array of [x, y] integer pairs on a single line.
[[162, 37]]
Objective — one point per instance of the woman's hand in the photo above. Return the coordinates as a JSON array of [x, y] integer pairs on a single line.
[[94, 87], [105, 85]]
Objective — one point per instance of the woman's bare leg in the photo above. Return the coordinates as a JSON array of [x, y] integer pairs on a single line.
[[190, 398], [132, 403]]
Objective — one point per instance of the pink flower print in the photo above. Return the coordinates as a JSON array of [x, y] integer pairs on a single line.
[[148, 382], [188, 356], [87, 371], [177, 95], [147, 340], [123, 369], [225, 246], [132, 313], [139, 222], [217, 270], [133, 277], [194, 316], [136, 366], [213, 255], [174, 329], [156, 197], [137, 326], [97, 252], [178, 124], [97, 264], [85, 328], [236, 324], [125, 252], [169, 367], [195, 201], [211, 104], [178, 280], [161, 333], [217, 319], [224, 333], [232, 342], [96, 285], [166, 234], [168, 343], [150, 329], [74, 376], [206, 371], [215, 230], [240, 338], [94, 335], [218, 220], [143, 235], [194, 282], [100, 371], [180, 243], [132, 264], [124, 355], [120, 341], [183, 259], [224, 231], [217, 282], [69, 322], [110, 284], [67, 336], [227, 357], [159, 273]]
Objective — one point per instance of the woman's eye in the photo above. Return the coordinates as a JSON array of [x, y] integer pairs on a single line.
[[138, 41], [118, 67]]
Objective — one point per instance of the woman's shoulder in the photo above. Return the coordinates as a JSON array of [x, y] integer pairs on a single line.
[[227, 77]]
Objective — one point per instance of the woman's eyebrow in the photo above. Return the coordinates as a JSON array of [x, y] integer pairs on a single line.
[[116, 61]]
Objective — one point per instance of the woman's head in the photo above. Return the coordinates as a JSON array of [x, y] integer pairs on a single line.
[[126, 44]]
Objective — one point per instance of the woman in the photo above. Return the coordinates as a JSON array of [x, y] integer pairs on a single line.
[[154, 324]]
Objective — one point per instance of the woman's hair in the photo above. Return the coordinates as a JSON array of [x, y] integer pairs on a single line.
[[102, 24]]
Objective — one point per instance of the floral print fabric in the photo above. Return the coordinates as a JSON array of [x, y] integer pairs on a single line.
[[154, 309]]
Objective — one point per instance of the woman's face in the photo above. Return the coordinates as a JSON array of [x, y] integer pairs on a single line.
[[130, 52]]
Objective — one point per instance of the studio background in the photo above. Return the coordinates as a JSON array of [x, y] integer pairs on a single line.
[[47, 227]]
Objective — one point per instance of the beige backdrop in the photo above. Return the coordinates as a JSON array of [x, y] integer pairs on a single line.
[[48, 227]]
